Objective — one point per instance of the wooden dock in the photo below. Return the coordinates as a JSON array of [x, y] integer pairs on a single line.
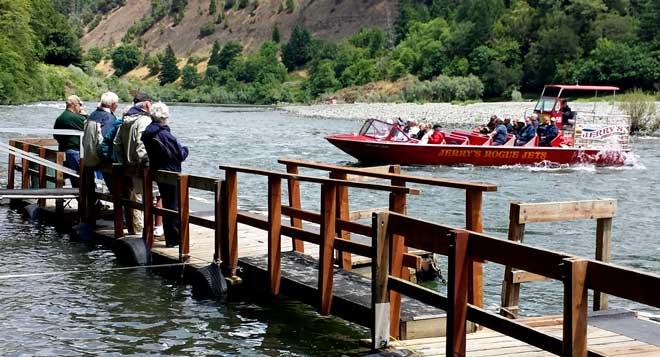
[[487, 343], [309, 255]]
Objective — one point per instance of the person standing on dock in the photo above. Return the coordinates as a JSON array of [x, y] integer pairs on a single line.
[[73, 118], [165, 153], [130, 150], [98, 124]]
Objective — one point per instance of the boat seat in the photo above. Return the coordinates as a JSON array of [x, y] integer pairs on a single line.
[[556, 142], [460, 133], [456, 140], [488, 142], [478, 139], [534, 142], [510, 142]]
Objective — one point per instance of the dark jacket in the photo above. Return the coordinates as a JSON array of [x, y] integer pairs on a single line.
[[105, 119], [527, 134], [164, 150], [70, 121], [547, 132]]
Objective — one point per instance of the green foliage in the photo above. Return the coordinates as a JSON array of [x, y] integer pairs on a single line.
[[177, 10], [169, 72], [94, 54], [322, 78], [362, 72], [125, 58], [58, 43], [242, 4], [642, 111], [275, 35], [206, 29], [153, 63], [213, 7], [220, 17], [228, 53], [298, 51], [444, 89], [373, 40], [229, 4], [290, 6], [189, 77]]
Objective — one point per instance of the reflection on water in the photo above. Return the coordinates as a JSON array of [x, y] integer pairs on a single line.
[[140, 312]]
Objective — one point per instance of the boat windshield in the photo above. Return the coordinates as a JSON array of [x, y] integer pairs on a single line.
[[545, 104], [376, 129]]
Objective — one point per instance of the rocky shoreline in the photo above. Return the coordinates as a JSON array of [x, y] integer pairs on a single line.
[[447, 114]]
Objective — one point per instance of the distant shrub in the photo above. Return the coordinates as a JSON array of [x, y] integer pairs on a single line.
[[229, 4], [94, 54], [290, 6], [445, 89], [516, 96], [206, 29], [642, 111], [242, 4]]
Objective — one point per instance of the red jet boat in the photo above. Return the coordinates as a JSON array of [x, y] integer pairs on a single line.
[[584, 138]]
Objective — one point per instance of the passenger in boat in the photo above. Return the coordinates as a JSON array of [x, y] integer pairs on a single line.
[[508, 125], [130, 150], [72, 118], [527, 134], [488, 128], [547, 132], [518, 125], [98, 125], [411, 127], [437, 136], [423, 130], [499, 134], [566, 113], [535, 120], [165, 153]]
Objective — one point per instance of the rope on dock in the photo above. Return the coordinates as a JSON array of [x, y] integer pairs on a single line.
[[13, 276]]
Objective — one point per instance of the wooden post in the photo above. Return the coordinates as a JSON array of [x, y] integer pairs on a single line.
[[575, 307], [90, 194], [603, 239], [380, 270], [11, 166], [229, 224], [343, 258], [293, 187], [511, 290], [457, 293], [474, 222], [148, 208], [274, 234], [42, 175], [328, 229], [184, 218], [59, 182], [117, 191], [82, 194], [398, 205], [217, 208], [25, 169]]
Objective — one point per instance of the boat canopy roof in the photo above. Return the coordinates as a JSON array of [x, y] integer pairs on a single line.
[[581, 87]]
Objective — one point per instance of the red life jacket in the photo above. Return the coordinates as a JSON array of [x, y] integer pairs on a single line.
[[436, 138]]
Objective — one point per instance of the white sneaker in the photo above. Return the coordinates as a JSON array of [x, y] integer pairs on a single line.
[[158, 231]]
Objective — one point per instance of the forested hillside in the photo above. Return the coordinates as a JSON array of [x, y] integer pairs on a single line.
[[268, 51]]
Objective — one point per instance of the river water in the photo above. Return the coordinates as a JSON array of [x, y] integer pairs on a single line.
[[140, 312]]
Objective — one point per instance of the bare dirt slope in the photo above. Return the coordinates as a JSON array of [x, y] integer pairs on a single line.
[[327, 19]]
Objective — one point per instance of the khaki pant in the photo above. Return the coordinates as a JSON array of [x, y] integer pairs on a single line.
[[136, 196]]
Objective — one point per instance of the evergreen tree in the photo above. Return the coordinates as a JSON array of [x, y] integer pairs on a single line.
[[228, 53], [297, 52], [125, 58], [169, 72], [213, 7], [189, 77], [290, 5], [214, 60], [275, 36]]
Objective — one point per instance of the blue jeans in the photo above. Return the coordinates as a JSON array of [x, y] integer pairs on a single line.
[[72, 161]]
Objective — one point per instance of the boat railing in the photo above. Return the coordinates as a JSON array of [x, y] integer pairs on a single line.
[[578, 275]]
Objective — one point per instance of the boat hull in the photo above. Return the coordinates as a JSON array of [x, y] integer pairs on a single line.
[[371, 151]]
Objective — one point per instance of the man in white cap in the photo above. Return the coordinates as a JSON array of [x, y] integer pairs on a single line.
[[73, 118]]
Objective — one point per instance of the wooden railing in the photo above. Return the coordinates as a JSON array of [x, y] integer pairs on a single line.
[[473, 208], [522, 213], [326, 217], [577, 274], [184, 184], [34, 174]]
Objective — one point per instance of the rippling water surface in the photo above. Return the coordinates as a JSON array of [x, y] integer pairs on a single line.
[[142, 312]]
